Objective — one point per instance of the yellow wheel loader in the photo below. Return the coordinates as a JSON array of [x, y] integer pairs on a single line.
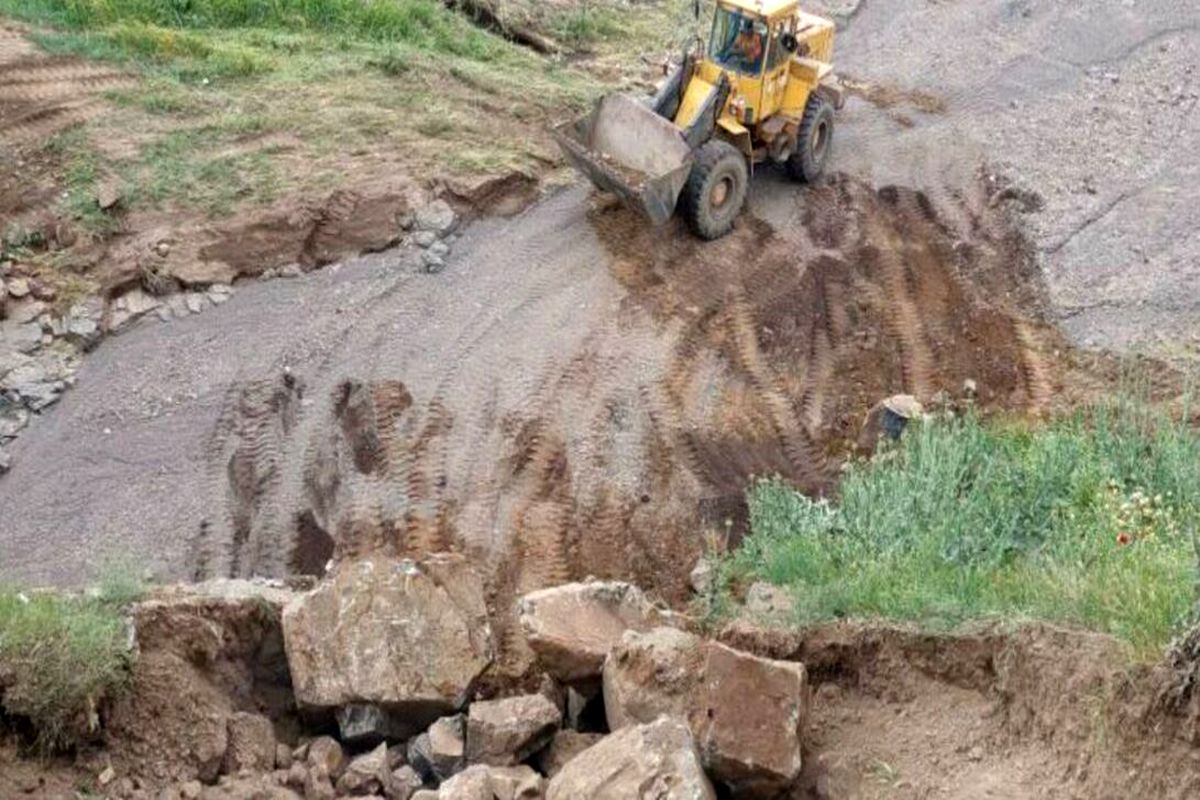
[[761, 89]]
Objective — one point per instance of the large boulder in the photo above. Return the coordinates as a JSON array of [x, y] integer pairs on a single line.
[[650, 674], [508, 731], [571, 628], [747, 713], [411, 637], [658, 760]]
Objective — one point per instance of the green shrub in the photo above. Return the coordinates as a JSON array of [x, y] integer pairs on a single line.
[[1088, 520], [60, 657]]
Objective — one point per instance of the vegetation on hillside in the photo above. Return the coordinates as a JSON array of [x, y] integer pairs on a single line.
[[62, 655], [1090, 519]]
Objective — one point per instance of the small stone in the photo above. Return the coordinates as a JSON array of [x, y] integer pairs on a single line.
[[297, 775], [440, 751], [217, 299], [440, 249], [251, 743], [106, 776], [438, 217], [424, 238], [326, 755], [108, 194], [366, 774], [194, 302], [191, 790], [18, 287], [506, 732], [366, 724], [291, 271], [701, 577], [163, 249], [405, 782], [970, 388], [220, 288], [283, 756], [432, 263]]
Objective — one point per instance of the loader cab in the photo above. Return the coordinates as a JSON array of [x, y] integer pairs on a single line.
[[752, 42]]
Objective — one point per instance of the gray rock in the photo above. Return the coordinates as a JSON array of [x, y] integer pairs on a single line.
[[367, 774], [441, 751], [5, 461], [12, 420], [701, 577], [20, 337], [195, 302], [438, 217], [26, 310], [291, 271], [405, 783], [440, 249], [178, 305], [82, 330], [366, 724], [432, 263], [424, 238], [217, 299], [18, 287]]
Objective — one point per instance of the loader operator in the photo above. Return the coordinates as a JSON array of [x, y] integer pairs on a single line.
[[749, 45]]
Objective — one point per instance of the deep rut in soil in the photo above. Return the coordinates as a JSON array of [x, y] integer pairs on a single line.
[[753, 356]]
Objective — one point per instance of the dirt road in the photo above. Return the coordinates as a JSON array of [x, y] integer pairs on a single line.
[[577, 394]]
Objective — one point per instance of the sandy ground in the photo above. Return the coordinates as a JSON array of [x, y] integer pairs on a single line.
[[577, 395]]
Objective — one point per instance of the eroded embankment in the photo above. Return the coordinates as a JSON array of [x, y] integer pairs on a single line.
[[633, 446]]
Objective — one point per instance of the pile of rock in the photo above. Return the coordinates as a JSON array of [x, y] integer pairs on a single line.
[[389, 653], [432, 230]]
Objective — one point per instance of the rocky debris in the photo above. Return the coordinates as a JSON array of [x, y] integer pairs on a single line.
[[367, 774], [508, 731], [324, 755], [746, 712], [412, 637], [766, 602], [424, 239], [250, 743], [440, 751], [565, 745], [482, 782], [701, 577], [405, 782], [5, 461], [571, 628], [18, 288], [367, 724], [432, 263], [658, 759], [437, 217]]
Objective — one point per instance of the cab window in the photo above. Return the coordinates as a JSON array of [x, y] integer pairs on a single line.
[[777, 54], [739, 41]]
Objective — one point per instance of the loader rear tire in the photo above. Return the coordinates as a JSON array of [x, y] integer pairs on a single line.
[[716, 189], [814, 141]]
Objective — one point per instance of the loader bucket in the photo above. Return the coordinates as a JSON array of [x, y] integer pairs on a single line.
[[627, 149]]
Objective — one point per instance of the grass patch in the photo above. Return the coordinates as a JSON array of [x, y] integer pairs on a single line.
[[81, 174], [62, 655], [1089, 520]]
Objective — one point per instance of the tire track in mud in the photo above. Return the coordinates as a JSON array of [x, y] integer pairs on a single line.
[[623, 450], [41, 95]]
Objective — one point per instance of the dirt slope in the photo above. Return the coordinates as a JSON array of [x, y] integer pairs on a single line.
[[575, 395]]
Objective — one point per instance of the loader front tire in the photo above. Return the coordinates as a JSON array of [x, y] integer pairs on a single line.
[[813, 142], [716, 189]]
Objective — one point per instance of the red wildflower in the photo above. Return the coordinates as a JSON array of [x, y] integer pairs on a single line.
[[1123, 538]]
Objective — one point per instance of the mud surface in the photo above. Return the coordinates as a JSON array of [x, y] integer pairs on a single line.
[[1039, 712]]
